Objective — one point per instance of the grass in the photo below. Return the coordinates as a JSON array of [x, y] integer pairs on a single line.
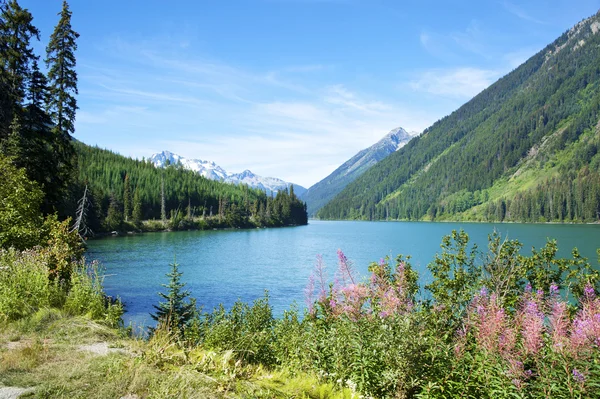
[[43, 351]]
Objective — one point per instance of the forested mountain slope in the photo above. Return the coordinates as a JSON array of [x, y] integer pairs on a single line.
[[119, 184], [322, 192], [526, 148]]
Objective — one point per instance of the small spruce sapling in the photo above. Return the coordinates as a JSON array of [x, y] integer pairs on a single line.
[[177, 309]]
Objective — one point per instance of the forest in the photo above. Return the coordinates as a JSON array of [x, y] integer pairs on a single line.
[[99, 190], [535, 128], [124, 192]]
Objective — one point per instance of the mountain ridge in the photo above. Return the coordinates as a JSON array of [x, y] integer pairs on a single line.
[[212, 171], [539, 120], [323, 191]]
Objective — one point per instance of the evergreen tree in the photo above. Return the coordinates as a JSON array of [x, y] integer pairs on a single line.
[[114, 218], [40, 143], [137, 208], [16, 55], [127, 200], [176, 311], [62, 105], [60, 59]]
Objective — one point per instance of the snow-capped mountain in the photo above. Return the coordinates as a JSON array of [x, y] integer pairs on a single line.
[[212, 171], [324, 191]]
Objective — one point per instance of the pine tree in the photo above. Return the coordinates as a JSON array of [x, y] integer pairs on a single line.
[[177, 310], [163, 207], [60, 59], [62, 105], [16, 55], [41, 144], [127, 200], [114, 218], [137, 208]]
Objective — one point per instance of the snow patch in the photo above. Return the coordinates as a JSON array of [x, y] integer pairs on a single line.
[[212, 171]]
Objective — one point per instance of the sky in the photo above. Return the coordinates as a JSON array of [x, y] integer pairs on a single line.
[[288, 88]]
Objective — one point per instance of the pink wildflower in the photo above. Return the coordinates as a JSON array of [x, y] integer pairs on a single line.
[[345, 268], [309, 294], [585, 331], [532, 325]]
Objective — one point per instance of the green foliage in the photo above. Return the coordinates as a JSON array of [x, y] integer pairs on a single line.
[[20, 200], [60, 249], [455, 275], [86, 296], [246, 330], [211, 204], [530, 139], [24, 284], [176, 311], [25, 288]]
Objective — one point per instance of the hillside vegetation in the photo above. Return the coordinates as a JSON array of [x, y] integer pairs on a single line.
[[325, 190], [124, 189], [524, 149]]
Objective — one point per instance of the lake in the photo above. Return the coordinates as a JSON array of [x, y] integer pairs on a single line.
[[226, 265]]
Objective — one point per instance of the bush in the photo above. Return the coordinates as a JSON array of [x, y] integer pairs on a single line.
[[86, 296], [24, 284], [25, 288], [20, 216], [245, 329]]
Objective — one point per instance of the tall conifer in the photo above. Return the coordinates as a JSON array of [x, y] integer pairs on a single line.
[[16, 55], [60, 59], [127, 199], [62, 105]]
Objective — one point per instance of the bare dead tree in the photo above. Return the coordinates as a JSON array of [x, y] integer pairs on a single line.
[[80, 225]]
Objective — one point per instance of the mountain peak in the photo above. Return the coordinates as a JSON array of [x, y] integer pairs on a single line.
[[322, 192], [212, 171]]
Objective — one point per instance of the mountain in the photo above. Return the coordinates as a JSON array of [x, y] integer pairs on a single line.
[[212, 171], [322, 192], [524, 149]]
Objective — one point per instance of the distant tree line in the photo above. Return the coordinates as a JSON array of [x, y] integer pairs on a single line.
[[125, 191]]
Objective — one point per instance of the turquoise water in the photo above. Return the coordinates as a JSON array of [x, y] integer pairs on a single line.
[[223, 266]]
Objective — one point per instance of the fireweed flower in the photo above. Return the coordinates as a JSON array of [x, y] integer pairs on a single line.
[[309, 294], [532, 326], [559, 325], [577, 376], [589, 292], [585, 330], [492, 328], [345, 268]]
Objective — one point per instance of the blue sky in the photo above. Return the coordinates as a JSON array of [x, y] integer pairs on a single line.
[[288, 88]]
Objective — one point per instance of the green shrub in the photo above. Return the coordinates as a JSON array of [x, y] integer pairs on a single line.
[[86, 296], [24, 284], [245, 329], [20, 200], [25, 288]]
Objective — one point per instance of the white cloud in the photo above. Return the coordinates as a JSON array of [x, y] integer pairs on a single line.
[[454, 83], [520, 13], [288, 123]]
